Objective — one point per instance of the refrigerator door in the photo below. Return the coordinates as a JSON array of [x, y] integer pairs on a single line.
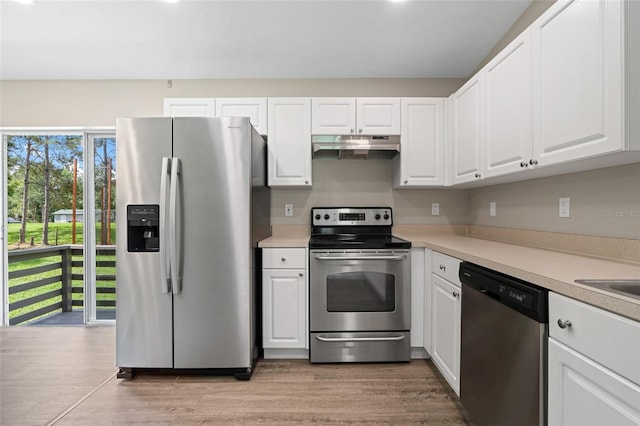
[[144, 314], [212, 315]]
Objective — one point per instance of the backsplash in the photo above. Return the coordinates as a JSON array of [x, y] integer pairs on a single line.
[[604, 202], [367, 183]]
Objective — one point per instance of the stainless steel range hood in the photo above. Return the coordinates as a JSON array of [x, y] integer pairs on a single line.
[[355, 147]]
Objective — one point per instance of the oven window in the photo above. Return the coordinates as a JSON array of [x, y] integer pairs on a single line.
[[361, 292]]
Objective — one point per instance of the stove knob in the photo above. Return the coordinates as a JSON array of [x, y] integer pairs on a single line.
[[377, 216], [318, 216], [326, 216], [386, 216]]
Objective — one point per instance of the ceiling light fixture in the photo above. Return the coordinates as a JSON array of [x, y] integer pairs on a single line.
[[25, 1]]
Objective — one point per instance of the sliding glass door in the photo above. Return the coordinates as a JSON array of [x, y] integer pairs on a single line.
[[58, 236]]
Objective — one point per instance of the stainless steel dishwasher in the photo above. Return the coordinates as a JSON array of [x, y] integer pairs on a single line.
[[503, 345]]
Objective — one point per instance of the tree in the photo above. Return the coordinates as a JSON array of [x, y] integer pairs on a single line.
[[39, 176], [25, 194]]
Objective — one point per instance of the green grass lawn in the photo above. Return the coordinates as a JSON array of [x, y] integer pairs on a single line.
[[64, 238], [63, 231]]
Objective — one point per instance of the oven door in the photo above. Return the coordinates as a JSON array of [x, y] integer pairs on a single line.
[[363, 290]]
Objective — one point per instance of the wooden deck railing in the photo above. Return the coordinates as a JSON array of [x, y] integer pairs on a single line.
[[48, 287]]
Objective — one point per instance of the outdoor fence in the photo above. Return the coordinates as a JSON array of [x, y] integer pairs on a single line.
[[48, 287]]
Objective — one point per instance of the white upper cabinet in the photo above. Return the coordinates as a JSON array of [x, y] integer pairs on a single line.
[[378, 116], [289, 142], [333, 116], [355, 116], [254, 108], [421, 161], [189, 107], [578, 74], [507, 109], [466, 132]]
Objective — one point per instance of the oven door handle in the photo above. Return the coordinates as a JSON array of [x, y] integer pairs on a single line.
[[361, 339], [340, 257]]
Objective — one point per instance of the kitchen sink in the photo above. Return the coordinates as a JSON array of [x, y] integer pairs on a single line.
[[629, 288]]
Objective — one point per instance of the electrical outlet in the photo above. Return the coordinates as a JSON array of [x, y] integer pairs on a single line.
[[565, 207], [288, 209], [435, 209], [492, 208]]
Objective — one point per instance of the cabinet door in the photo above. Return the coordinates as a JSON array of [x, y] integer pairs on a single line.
[[421, 159], [284, 308], [189, 107], [466, 137], [254, 108], [333, 116], [582, 392], [378, 116], [445, 331], [507, 107], [577, 80], [289, 141]]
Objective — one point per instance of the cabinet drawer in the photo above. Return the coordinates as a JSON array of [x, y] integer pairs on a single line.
[[607, 338], [284, 258], [447, 267]]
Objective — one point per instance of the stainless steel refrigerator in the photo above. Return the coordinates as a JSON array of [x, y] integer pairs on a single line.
[[192, 204]]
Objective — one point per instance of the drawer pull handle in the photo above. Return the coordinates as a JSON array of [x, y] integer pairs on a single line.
[[443, 268], [564, 323], [456, 294]]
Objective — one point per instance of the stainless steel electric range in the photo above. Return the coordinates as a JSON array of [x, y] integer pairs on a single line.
[[360, 286]]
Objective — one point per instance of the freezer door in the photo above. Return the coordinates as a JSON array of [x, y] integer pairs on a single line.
[[144, 317], [212, 305]]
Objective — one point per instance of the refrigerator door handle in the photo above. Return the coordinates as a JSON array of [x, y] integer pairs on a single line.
[[174, 230], [165, 268]]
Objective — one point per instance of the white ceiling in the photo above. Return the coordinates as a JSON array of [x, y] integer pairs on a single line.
[[94, 39]]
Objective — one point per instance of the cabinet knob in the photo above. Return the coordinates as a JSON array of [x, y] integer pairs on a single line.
[[524, 164], [455, 294], [443, 268], [533, 162], [406, 181], [306, 182], [353, 130], [478, 175], [283, 259], [564, 323], [359, 130], [300, 274]]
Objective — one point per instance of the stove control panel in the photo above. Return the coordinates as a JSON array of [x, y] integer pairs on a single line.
[[351, 216]]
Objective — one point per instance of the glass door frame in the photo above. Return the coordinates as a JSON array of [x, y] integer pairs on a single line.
[[88, 135], [90, 246]]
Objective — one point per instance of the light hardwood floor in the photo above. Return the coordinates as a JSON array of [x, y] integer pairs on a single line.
[[66, 375]]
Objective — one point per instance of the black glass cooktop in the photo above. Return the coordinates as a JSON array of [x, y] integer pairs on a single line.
[[353, 241]]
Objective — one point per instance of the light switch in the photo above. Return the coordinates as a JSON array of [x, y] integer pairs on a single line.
[[288, 209], [565, 207], [435, 209], [492, 208]]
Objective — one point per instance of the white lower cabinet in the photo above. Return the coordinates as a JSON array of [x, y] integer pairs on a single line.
[[285, 329], [446, 317], [594, 366]]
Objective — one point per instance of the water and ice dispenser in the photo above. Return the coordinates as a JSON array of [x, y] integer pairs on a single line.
[[143, 222]]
